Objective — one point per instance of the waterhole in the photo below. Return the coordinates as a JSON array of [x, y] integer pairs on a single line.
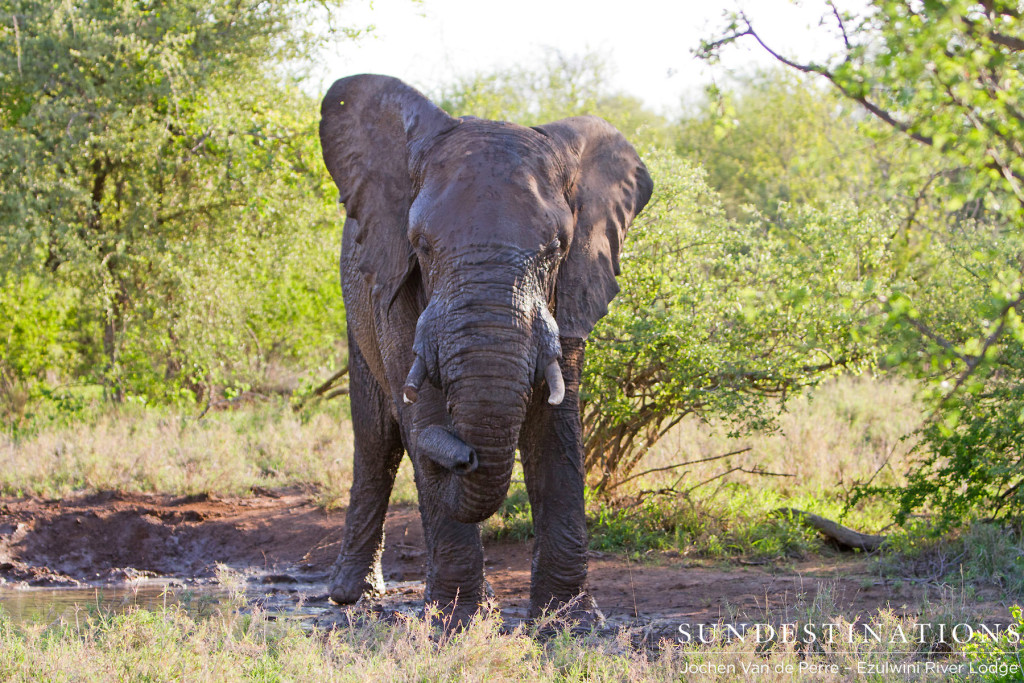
[[278, 596]]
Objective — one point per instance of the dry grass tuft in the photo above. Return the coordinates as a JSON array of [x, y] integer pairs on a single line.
[[843, 431], [225, 453]]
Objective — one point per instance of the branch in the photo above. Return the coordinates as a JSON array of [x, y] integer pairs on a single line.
[[937, 338], [672, 467], [765, 473], [1014, 44], [842, 27], [322, 389], [738, 468], [875, 110], [973, 362]]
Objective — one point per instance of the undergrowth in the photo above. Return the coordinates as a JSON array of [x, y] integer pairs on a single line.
[[235, 641], [982, 552]]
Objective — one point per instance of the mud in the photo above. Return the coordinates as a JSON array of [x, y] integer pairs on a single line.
[[284, 546]]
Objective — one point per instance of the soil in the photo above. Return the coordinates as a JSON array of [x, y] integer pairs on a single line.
[[285, 541]]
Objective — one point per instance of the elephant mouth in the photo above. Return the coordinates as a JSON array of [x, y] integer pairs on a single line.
[[448, 451]]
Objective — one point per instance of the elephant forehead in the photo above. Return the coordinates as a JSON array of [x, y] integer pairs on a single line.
[[491, 180], [485, 152]]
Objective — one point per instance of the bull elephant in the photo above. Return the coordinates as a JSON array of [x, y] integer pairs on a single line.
[[476, 258]]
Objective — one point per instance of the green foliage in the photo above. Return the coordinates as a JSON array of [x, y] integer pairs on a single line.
[[648, 526], [998, 658], [948, 77], [970, 460], [559, 87], [980, 553], [159, 171], [513, 520], [771, 137], [718, 318], [698, 529]]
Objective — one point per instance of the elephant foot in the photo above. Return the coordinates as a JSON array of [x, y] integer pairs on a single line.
[[456, 613], [455, 616], [349, 585], [579, 615]]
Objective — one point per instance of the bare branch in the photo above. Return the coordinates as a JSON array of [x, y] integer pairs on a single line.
[[323, 388], [842, 27], [677, 466], [875, 110]]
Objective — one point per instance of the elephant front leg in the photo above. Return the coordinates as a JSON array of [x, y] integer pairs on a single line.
[[455, 563], [378, 452], [551, 446]]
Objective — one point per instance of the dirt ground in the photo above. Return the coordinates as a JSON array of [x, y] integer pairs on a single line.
[[284, 539]]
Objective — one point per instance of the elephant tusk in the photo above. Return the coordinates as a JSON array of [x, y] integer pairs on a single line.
[[553, 374], [411, 390]]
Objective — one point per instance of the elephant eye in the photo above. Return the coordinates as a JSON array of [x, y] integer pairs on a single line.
[[549, 255], [553, 249], [421, 245]]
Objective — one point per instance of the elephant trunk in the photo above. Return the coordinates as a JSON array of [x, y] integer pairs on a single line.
[[487, 405], [485, 353], [486, 359]]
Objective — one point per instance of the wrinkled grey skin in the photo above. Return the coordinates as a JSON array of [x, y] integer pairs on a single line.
[[476, 258]]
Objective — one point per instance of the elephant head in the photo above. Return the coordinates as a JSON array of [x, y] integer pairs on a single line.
[[507, 237]]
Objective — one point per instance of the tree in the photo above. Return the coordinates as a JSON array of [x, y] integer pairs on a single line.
[[773, 136], [158, 166], [949, 76], [558, 87], [724, 319]]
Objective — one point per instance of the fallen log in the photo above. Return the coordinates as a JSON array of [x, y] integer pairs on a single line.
[[844, 536]]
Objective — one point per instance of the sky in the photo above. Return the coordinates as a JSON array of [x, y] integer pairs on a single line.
[[647, 43]]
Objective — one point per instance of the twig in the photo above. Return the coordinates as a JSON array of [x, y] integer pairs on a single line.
[[672, 467], [765, 473], [209, 399], [708, 481], [323, 388], [842, 27], [340, 391], [873, 108], [17, 41]]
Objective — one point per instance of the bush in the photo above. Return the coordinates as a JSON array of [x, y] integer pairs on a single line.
[[720, 318]]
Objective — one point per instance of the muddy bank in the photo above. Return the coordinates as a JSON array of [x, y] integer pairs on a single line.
[[285, 545]]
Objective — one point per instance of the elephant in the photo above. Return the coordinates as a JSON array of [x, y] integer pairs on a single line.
[[476, 258]]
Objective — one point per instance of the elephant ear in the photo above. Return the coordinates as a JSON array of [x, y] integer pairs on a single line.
[[610, 188], [372, 129]]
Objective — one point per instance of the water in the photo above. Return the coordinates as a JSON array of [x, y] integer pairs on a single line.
[[280, 596], [49, 605]]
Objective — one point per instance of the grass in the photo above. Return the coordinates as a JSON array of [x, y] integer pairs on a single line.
[[979, 553], [843, 431], [235, 641], [162, 451], [849, 430]]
